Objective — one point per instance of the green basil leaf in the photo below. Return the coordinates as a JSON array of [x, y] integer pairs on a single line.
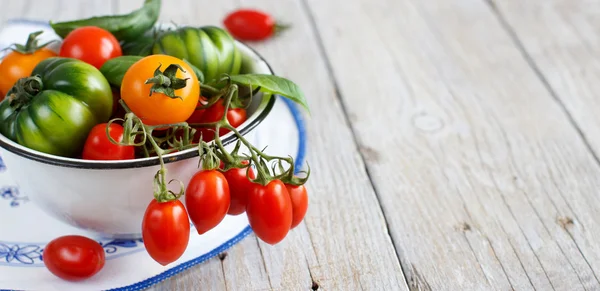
[[115, 68], [272, 84]]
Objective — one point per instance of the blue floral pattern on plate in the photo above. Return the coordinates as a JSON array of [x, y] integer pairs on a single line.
[[26, 254], [12, 194]]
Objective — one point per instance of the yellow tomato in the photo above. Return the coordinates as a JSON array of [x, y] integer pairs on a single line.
[[18, 65], [156, 107]]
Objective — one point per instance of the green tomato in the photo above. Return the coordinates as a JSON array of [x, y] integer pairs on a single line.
[[210, 49], [53, 110]]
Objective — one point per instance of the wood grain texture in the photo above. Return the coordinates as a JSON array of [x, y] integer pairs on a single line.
[[56, 10], [482, 178], [560, 39], [343, 243]]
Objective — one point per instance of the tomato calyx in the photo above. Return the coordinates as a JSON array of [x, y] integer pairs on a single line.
[[166, 82], [23, 91], [31, 45]]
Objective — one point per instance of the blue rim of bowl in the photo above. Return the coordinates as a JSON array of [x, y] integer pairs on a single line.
[[138, 163]]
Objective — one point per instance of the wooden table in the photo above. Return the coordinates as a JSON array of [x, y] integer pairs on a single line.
[[454, 144]]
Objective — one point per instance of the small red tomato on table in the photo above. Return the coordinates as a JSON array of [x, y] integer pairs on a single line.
[[251, 24], [73, 257], [92, 45]]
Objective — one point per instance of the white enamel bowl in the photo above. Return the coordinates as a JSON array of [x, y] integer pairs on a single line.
[[110, 197]]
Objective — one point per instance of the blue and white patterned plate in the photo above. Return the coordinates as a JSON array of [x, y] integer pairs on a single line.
[[25, 229]]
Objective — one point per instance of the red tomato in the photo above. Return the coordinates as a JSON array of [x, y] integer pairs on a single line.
[[99, 147], [198, 113], [269, 211], [235, 116], [299, 198], [207, 199], [73, 257], [248, 24], [165, 230], [91, 44], [239, 187]]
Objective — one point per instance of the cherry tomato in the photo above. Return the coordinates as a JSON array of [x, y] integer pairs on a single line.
[[235, 116], [74, 257], [239, 187], [99, 147], [165, 230], [299, 198], [92, 45], [159, 108], [207, 199], [269, 211], [16, 65], [249, 24], [196, 117]]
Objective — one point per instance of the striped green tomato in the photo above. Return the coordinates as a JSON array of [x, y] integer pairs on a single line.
[[53, 110], [209, 48]]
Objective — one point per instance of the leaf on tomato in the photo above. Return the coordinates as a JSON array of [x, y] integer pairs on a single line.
[[115, 68], [272, 84]]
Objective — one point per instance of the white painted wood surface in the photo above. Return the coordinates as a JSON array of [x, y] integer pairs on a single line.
[[453, 143]]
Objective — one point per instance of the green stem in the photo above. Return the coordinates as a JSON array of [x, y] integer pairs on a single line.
[[24, 90], [209, 90]]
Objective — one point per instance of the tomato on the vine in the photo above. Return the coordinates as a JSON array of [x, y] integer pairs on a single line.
[[207, 199], [250, 24], [73, 257], [269, 211], [152, 102], [165, 230], [99, 147], [91, 44], [17, 65], [239, 188], [299, 198], [196, 117], [235, 116]]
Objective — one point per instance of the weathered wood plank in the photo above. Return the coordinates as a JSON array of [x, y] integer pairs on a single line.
[[478, 170], [343, 244], [57, 10], [559, 39]]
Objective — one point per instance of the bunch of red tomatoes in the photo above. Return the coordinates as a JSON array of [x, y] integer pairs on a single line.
[[272, 210]]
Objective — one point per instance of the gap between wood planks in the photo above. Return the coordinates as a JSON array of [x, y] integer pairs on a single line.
[[540, 75], [564, 222], [362, 153]]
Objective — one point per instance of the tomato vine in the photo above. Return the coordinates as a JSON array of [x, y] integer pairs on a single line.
[[163, 139]]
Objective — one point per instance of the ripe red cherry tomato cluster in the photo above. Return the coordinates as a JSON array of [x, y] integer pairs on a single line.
[[273, 210]]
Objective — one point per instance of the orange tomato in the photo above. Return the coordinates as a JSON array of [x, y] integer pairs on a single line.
[[158, 108], [18, 65]]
